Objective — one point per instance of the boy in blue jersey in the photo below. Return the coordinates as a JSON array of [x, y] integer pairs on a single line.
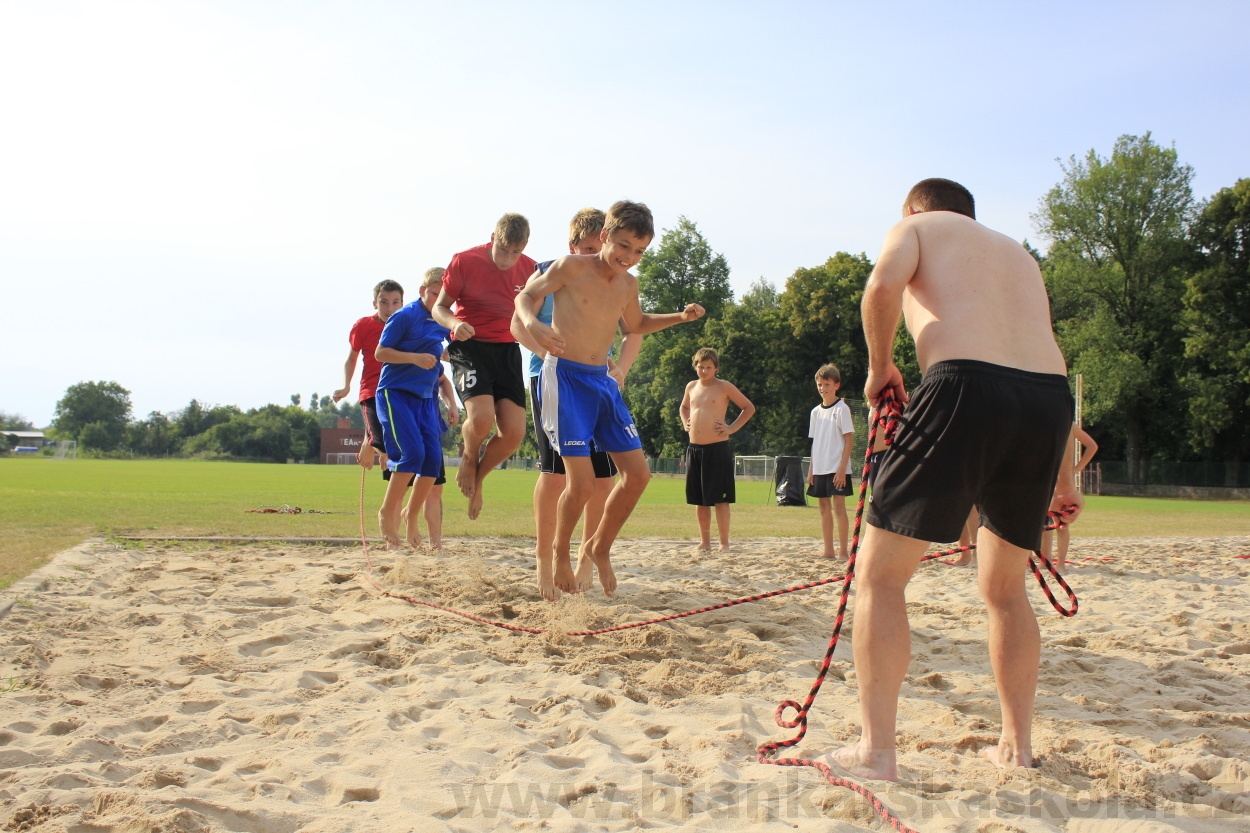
[[582, 404], [412, 426]]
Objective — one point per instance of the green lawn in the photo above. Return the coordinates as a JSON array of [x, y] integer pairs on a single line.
[[47, 506]]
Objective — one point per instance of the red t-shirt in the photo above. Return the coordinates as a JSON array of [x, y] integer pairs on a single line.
[[485, 295], [364, 337]]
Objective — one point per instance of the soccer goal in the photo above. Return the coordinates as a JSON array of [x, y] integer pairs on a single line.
[[341, 458], [758, 468], [66, 450]]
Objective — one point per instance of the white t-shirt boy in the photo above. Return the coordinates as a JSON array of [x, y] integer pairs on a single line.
[[828, 429]]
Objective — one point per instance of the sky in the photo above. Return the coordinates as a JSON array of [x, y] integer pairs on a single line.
[[196, 198]]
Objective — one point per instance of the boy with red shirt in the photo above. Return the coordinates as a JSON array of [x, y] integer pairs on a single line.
[[483, 283], [388, 297]]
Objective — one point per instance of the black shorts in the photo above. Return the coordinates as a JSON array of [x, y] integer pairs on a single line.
[[373, 425], [975, 433], [549, 460], [874, 463], [438, 481], [710, 474], [481, 368], [822, 486]]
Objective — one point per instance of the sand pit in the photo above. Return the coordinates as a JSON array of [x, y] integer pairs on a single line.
[[181, 687]]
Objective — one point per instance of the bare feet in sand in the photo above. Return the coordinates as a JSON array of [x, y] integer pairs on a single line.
[[547, 579], [475, 502], [1005, 756], [723, 548], [389, 527], [466, 475], [877, 765], [964, 560], [565, 580], [413, 531], [701, 549], [585, 576]]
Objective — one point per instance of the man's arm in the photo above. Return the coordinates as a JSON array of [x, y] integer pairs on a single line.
[[642, 323], [1089, 447], [746, 409], [839, 475], [1066, 492], [684, 410], [517, 328], [448, 393], [349, 370], [530, 300], [630, 345], [883, 305], [461, 330], [389, 355]]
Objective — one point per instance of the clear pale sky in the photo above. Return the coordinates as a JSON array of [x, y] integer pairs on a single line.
[[196, 198]]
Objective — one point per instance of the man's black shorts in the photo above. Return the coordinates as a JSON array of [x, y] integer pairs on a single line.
[[373, 425], [975, 433], [710, 474], [481, 368], [822, 486], [549, 461], [438, 481]]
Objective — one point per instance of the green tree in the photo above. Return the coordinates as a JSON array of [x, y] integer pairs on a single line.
[[15, 422], [155, 436], [1115, 270], [1216, 322], [197, 418], [272, 433], [103, 405], [681, 270]]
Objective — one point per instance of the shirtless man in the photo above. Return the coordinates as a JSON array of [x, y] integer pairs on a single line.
[[709, 462], [581, 402], [994, 382]]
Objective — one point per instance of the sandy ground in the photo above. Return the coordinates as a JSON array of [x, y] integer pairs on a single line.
[[270, 688]]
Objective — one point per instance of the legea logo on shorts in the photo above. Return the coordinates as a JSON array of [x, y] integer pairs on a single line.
[[574, 442]]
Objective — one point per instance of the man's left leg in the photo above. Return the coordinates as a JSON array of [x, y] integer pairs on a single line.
[[509, 431], [597, 550]]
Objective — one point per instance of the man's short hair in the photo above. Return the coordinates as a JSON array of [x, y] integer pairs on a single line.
[[512, 230], [941, 195], [633, 217], [386, 286], [706, 354], [829, 372], [433, 276], [586, 223]]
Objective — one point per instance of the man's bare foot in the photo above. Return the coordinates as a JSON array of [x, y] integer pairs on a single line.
[[877, 765], [724, 547], [564, 577], [702, 548], [1006, 756], [437, 546], [389, 529], [963, 560], [828, 554], [475, 502], [413, 530], [547, 579], [584, 575], [466, 475], [603, 564]]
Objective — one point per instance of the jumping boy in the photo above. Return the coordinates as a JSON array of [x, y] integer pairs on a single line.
[[709, 462], [584, 239], [987, 425], [485, 358], [829, 475], [388, 297], [412, 426], [582, 404]]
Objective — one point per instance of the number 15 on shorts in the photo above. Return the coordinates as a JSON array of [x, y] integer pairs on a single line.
[[467, 380]]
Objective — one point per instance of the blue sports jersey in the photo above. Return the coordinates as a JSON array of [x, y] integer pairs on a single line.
[[412, 330]]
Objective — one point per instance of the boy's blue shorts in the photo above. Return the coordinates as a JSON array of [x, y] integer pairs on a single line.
[[582, 407], [411, 431]]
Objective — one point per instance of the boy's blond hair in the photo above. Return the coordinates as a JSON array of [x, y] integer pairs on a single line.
[[829, 372], [705, 354], [433, 276], [386, 286], [586, 223], [632, 217], [512, 230]]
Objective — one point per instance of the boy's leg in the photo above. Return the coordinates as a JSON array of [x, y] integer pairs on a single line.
[[597, 550], [434, 516], [967, 538], [595, 506], [579, 483], [1015, 646], [479, 418], [826, 525], [547, 493], [420, 491], [703, 514], [722, 525], [392, 502], [882, 647], [510, 430], [839, 515], [1062, 535]]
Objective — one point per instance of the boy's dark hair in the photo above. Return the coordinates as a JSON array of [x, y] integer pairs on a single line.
[[512, 230], [941, 195], [629, 216], [585, 223], [386, 286], [706, 354], [830, 372]]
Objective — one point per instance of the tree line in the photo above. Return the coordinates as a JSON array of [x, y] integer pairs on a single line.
[[1149, 290]]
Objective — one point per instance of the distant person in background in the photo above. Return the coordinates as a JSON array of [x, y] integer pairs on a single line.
[[388, 297], [1089, 447], [829, 476]]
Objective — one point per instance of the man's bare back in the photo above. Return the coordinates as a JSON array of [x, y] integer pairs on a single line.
[[971, 293]]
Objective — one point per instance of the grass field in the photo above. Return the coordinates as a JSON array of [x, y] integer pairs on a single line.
[[47, 506]]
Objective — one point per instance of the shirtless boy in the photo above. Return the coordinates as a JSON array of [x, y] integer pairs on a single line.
[[581, 402], [709, 462], [485, 359], [999, 390]]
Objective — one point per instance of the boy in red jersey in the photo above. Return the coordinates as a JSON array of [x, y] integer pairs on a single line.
[[388, 297], [483, 283]]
